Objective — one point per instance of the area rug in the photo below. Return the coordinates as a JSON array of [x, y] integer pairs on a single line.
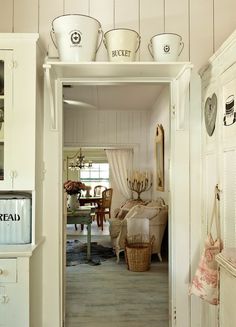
[[76, 253]]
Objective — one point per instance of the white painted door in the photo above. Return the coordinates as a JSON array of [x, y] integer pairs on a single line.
[[14, 292], [227, 156], [210, 177], [6, 155], [18, 99]]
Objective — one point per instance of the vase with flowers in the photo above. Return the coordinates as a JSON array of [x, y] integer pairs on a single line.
[[73, 189]]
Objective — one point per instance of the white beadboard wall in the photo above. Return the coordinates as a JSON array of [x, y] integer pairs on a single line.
[[109, 128], [203, 24]]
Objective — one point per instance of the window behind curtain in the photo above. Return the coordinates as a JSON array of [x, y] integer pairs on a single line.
[[98, 174]]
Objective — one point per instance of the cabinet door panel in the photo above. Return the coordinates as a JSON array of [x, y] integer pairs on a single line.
[[6, 155], [24, 117], [14, 296], [17, 103]]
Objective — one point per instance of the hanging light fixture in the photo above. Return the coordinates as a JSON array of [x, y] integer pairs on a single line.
[[79, 162]]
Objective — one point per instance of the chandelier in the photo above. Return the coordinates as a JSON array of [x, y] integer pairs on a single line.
[[79, 162]]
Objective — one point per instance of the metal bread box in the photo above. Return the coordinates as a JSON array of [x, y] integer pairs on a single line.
[[15, 218]]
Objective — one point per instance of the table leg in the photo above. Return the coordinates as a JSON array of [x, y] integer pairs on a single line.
[[89, 242]]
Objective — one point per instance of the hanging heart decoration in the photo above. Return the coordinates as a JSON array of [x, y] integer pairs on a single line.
[[210, 112]]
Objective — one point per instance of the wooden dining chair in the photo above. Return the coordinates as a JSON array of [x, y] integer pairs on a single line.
[[104, 207], [98, 190]]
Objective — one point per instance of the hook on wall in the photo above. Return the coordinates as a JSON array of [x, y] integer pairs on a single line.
[[217, 191]]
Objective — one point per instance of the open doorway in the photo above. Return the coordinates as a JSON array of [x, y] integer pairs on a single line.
[[139, 129]]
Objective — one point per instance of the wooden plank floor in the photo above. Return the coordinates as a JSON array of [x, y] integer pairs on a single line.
[[110, 295]]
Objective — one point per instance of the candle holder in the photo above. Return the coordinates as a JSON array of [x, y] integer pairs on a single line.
[[139, 182]]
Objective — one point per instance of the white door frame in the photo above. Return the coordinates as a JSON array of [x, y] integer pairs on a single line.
[[179, 208]]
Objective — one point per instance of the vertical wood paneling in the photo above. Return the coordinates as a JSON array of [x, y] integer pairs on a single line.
[[177, 21], [201, 31], [107, 127], [143, 139], [135, 127], [6, 16], [146, 18], [73, 127], [127, 14], [122, 118], [229, 198], [151, 23], [79, 121], [103, 11], [26, 16], [90, 126], [77, 7], [46, 15], [224, 20]]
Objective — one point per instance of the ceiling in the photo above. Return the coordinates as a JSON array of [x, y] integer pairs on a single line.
[[112, 97]]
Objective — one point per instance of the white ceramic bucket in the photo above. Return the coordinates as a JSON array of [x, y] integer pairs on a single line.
[[166, 47], [77, 37], [121, 44]]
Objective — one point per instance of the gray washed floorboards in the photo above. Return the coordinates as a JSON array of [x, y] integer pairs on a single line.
[[110, 295]]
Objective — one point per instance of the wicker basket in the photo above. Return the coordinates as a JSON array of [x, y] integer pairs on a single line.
[[138, 255]]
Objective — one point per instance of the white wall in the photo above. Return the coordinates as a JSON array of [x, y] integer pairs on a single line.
[[203, 24], [219, 161], [107, 128], [160, 115]]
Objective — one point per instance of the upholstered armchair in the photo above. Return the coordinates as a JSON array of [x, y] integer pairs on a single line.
[[157, 214]]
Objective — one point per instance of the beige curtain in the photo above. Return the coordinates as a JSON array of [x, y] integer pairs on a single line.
[[120, 161]]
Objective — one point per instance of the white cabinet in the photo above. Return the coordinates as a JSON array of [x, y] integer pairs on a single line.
[[227, 291], [18, 108], [20, 168], [14, 292], [6, 60], [219, 160]]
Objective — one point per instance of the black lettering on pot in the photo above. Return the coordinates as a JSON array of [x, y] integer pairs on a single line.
[[120, 53]]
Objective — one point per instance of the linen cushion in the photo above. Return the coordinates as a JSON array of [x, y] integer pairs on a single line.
[[159, 202], [141, 211], [122, 212]]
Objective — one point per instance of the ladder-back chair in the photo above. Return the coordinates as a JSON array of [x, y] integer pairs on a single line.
[[104, 207]]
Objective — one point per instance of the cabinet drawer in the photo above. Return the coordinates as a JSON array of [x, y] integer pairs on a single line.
[[7, 270]]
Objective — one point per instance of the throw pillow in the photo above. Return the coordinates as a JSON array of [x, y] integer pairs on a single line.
[[131, 203], [159, 202], [140, 211]]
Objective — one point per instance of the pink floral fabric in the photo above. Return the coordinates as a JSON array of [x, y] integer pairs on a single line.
[[205, 283]]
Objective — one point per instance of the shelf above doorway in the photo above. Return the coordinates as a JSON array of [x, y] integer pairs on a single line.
[[117, 73], [162, 71]]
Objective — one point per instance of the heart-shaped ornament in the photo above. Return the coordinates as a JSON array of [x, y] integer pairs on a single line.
[[210, 112]]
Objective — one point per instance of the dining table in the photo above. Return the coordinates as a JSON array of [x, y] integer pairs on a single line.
[[91, 200], [84, 216], [95, 200]]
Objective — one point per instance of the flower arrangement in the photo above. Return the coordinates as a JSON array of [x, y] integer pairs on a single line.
[[74, 187]]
